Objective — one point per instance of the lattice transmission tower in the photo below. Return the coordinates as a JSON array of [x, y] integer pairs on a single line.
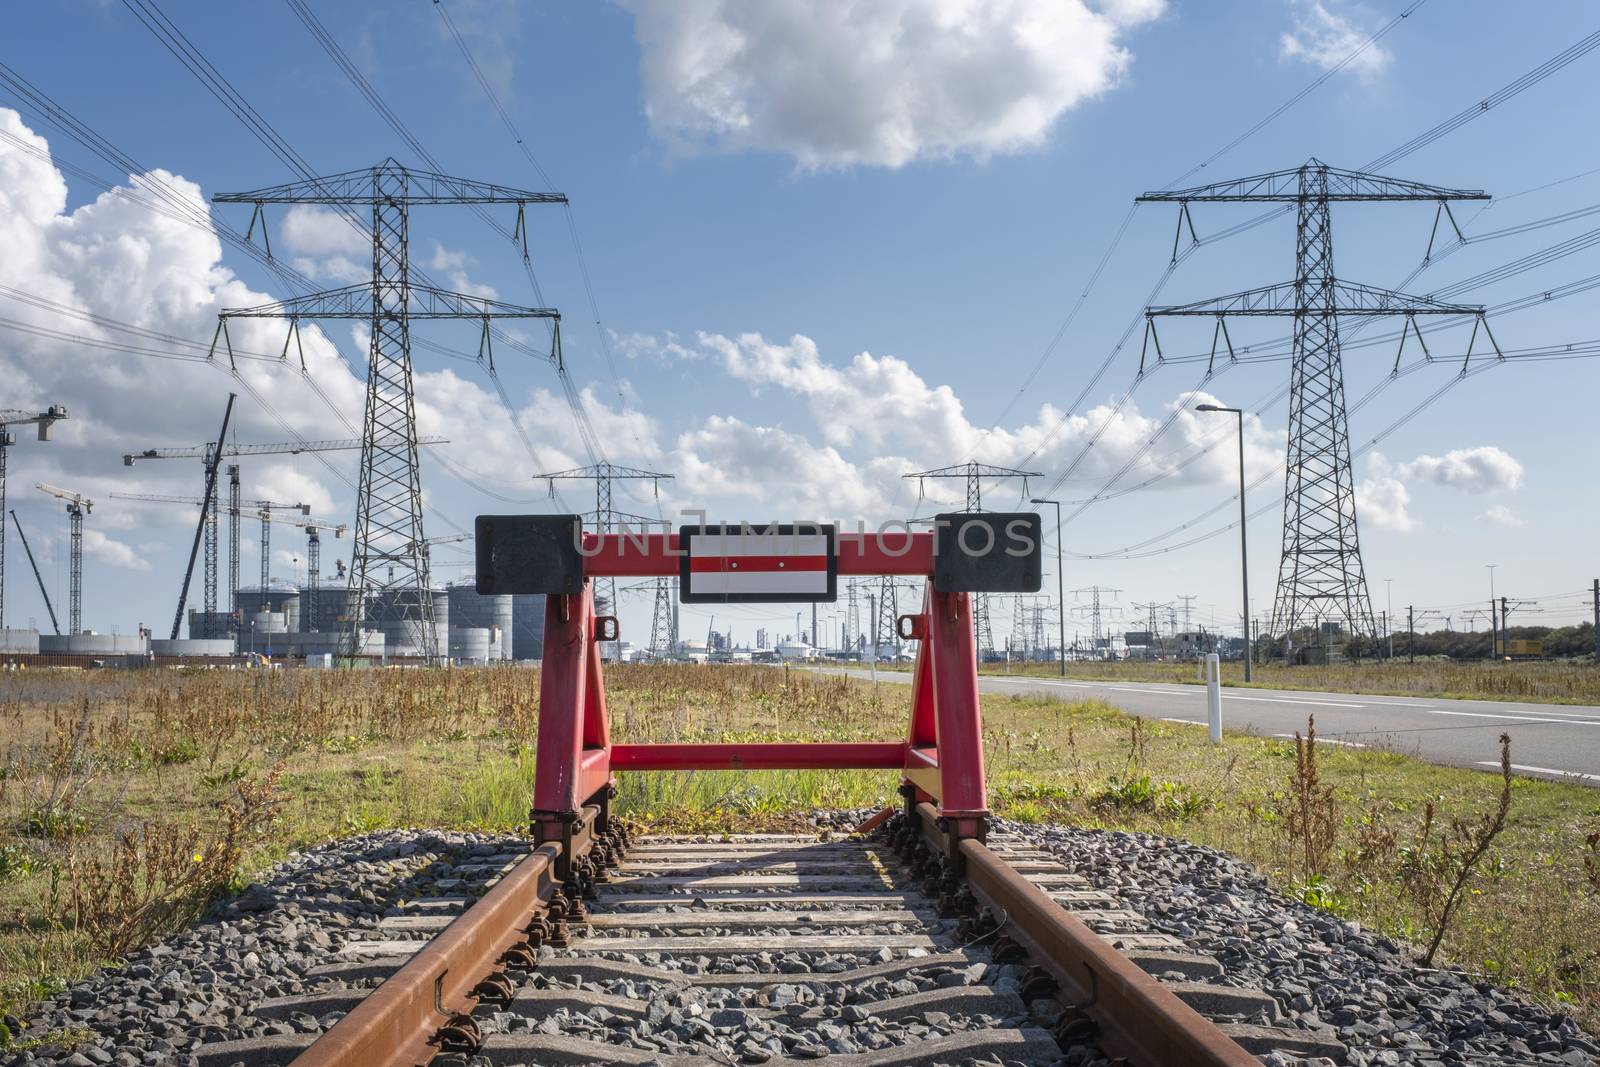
[[974, 474], [884, 632], [1097, 612], [389, 581], [605, 518], [1320, 572]]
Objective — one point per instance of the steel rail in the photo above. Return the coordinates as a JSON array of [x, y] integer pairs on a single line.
[[439, 986], [1136, 1017]]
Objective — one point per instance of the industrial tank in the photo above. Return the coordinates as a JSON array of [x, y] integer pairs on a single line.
[[90, 643], [25, 642], [279, 598], [470, 644], [527, 626], [470, 609]]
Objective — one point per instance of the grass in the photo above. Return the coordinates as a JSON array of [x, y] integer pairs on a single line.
[[90, 757], [1533, 681]]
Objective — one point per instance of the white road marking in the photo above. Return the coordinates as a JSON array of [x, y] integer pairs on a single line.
[[1184, 722], [1291, 700], [1332, 741], [1541, 770], [1518, 718]]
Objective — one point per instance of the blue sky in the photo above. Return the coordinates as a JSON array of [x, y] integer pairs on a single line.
[[828, 244]]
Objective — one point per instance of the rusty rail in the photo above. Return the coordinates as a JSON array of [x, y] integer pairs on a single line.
[[436, 990], [1136, 1017]]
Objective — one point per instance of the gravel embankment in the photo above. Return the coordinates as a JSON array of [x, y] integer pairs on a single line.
[[201, 986], [1387, 1009]]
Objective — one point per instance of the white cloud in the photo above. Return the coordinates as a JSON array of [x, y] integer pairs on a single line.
[[282, 483], [1323, 34], [1501, 515], [882, 83], [882, 403], [1383, 499], [1483, 469], [454, 266], [321, 231], [97, 545], [664, 349]]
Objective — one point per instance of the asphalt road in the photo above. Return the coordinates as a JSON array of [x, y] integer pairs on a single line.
[[1557, 741]]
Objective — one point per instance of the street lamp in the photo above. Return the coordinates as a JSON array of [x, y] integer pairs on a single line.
[[1061, 591], [1494, 619], [1388, 613], [1244, 553]]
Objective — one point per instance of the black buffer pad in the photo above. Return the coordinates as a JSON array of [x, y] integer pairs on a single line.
[[988, 552], [529, 554]]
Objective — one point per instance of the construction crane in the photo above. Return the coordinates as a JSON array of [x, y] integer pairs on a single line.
[[313, 588], [286, 448], [78, 506], [37, 576], [262, 509], [10, 417], [209, 454]]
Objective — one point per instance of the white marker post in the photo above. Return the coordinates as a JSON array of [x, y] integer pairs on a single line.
[[1214, 697]]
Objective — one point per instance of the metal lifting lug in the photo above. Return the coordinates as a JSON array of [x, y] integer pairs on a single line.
[[1075, 1027], [1006, 951], [1037, 982], [523, 956], [495, 990], [460, 1034]]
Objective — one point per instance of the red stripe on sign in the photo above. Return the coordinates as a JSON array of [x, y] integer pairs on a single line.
[[722, 564]]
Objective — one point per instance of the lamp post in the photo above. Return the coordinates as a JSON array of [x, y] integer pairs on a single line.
[[1494, 620], [1388, 613], [1061, 589], [1244, 552]]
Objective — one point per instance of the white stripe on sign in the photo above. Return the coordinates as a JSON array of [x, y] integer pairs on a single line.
[[750, 564], [773, 544], [760, 582]]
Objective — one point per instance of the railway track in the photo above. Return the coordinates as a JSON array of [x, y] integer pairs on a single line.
[[875, 949]]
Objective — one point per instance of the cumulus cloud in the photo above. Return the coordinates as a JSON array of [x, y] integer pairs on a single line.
[[882, 404], [97, 545], [283, 483], [1501, 515], [1483, 469], [1382, 498], [1323, 34], [880, 84], [313, 230]]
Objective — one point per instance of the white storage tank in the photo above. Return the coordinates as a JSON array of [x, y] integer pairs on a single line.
[[527, 626], [90, 643], [160, 646], [470, 644], [20, 642]]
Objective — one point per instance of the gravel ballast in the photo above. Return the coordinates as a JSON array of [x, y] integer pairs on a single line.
[[1386, 1008], [202, 986]]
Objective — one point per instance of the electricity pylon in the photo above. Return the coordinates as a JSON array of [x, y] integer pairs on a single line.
[[1320, 572], [884, 632], [389, 554], [973, 474], [1096, 612], [605, 517]]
